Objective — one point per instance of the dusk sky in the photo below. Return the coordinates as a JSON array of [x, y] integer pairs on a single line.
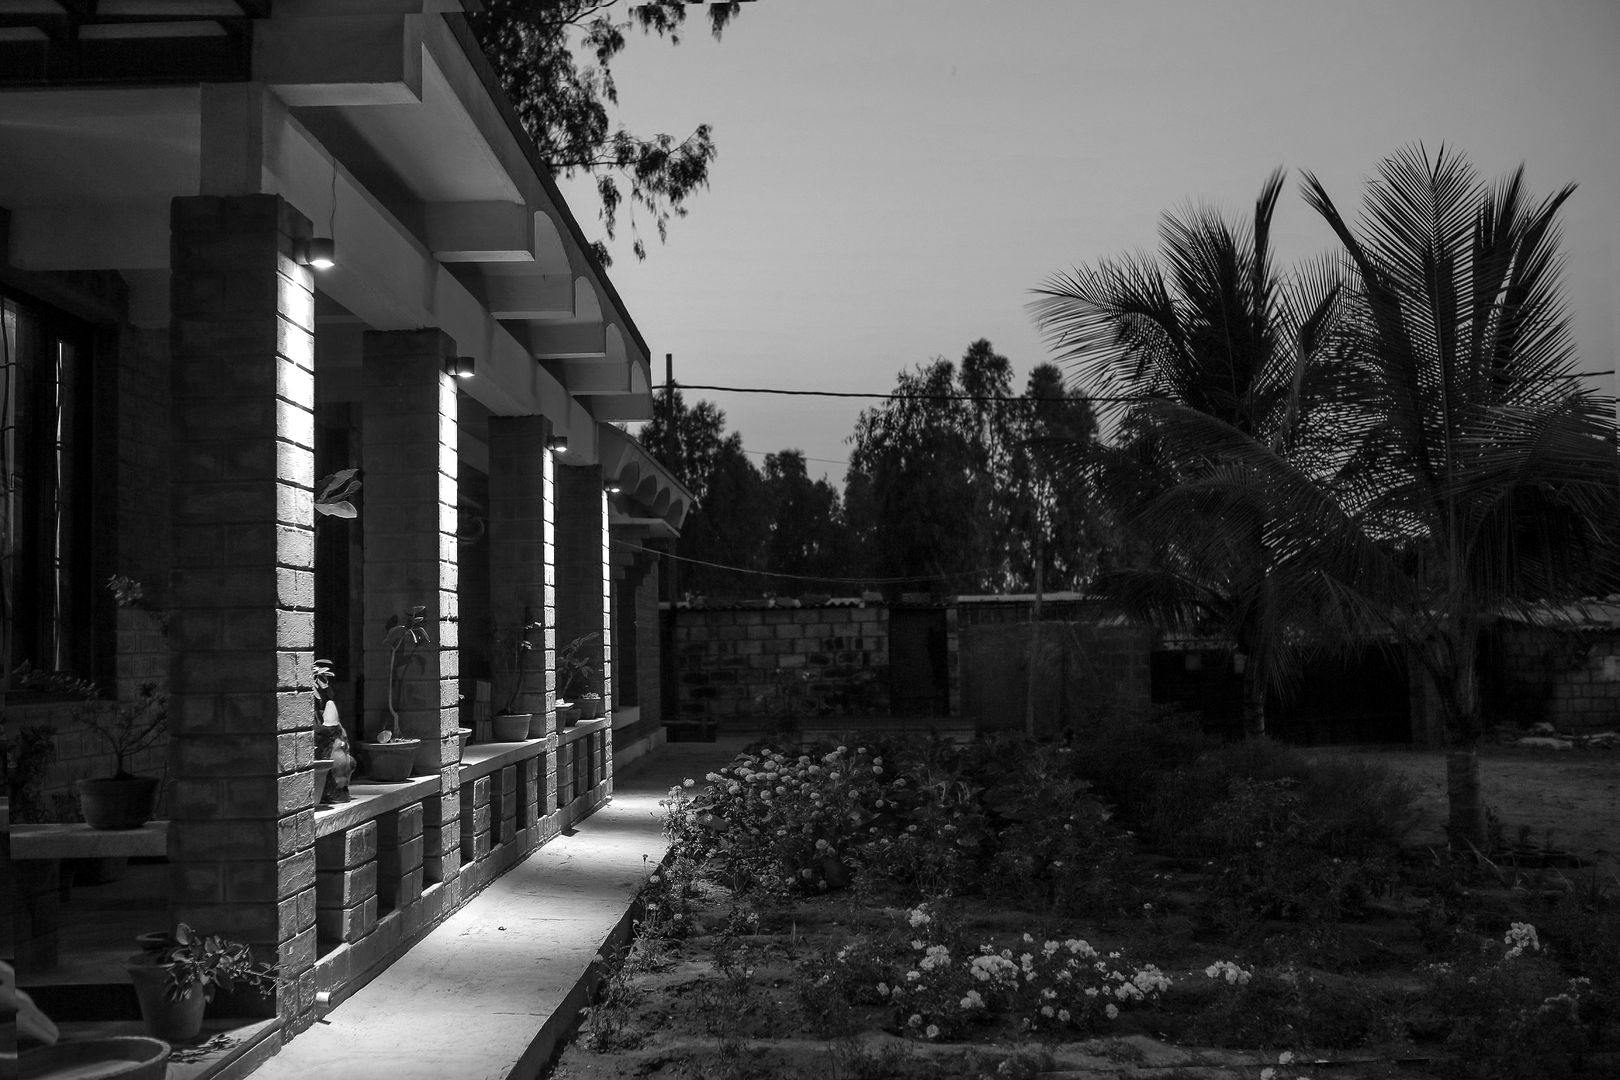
[[896, 176]]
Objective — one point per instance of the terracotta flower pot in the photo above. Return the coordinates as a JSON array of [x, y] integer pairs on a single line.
[[569, 715], [537, 725], [590, 707], [464, 734], [117, 803], [511, 727], [323, 769], [390, 762], [175, 1021]]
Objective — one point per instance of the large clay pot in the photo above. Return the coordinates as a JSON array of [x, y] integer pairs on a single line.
[[511, 727], [537, 725], [117, 803], [389, 762], [176, 1021], [124, 1057], [590, 706]]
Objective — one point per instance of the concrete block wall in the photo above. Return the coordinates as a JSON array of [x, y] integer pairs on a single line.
[[241, 839], [520, 538], [583, 567], [1567, 678], [733, 663]]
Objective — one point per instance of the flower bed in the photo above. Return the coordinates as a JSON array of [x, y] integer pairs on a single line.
[[930, 910]]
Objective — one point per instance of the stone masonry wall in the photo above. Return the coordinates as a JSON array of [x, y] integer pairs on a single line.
[[739, 666]]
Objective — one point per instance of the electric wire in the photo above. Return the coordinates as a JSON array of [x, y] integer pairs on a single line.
[[804, 577]]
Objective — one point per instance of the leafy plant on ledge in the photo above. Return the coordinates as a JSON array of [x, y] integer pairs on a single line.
[[406, 636], [208, 963], [512, 645], [127, 727], [576, 674]]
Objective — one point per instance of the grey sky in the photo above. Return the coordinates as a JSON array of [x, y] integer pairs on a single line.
[[896, 175]]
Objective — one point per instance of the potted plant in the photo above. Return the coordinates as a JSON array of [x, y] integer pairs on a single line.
[[122, 800], [576, 677], [334, 764], [177, 976], [512, 664], [391, 756]]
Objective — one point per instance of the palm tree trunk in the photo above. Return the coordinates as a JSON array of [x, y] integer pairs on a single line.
[[1466, 824], [1458, 686], [1254, 700]]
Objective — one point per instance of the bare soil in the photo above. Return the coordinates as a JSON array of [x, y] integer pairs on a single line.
[[1568, 797]]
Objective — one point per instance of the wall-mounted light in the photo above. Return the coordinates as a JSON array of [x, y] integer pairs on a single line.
[[462, 367], [612, 487], [557, 444], [318, 252]]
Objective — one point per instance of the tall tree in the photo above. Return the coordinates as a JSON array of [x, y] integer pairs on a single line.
[[729, 523], [1052, 517], [944, 483], [1208, 336], [921, 493], [808, 537], [1481, 461], [564, 105]]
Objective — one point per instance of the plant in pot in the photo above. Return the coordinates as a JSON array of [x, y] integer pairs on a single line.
[[334, 764], [390, 757], [576, 676], [122, 800], [512, 657], [176, 975]]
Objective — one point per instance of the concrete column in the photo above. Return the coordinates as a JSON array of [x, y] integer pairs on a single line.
[[408, 441], [241, 842]]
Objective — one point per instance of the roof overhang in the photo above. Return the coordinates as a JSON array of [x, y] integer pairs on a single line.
[[650, 501], [378, 120]]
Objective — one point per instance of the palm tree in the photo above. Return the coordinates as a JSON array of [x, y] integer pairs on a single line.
[[1481, 466], [1212, 345]]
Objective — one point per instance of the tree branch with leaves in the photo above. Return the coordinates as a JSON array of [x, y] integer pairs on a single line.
[[555, 62]]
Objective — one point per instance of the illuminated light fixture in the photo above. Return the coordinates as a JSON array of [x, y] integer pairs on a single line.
[[318, 253], [612, 487], [557, 444], [462, 367]]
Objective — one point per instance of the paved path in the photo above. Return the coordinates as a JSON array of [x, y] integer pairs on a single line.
[[491, 992]]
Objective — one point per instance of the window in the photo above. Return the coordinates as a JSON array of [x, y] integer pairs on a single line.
[[45, 404]]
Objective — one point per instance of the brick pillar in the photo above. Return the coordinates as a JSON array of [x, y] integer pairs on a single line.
[[584, 595], [520, 569], [408, 438], [241, 839]]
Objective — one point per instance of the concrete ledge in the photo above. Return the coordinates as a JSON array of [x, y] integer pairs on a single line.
[[75, 841]]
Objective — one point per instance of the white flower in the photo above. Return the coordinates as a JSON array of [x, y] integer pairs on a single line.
[[1267, 1073], [688, 782], [1111, 1011], [1285, 1058], [972, 1000], [933, 1031], [1048, 1012], [883, 989], [915, 1020], [1063, 1015]]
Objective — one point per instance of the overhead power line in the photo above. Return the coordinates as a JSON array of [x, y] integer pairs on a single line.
[[898, 397], [804, 577]]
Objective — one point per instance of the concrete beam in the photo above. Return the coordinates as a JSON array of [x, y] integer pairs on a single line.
[[481, 232], [124, 238], [529, 296], [340, 59]]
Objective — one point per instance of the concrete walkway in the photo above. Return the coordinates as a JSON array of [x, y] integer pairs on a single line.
[[492, 991]]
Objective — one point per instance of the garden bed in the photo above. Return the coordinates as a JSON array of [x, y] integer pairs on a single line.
[[920, 911]]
